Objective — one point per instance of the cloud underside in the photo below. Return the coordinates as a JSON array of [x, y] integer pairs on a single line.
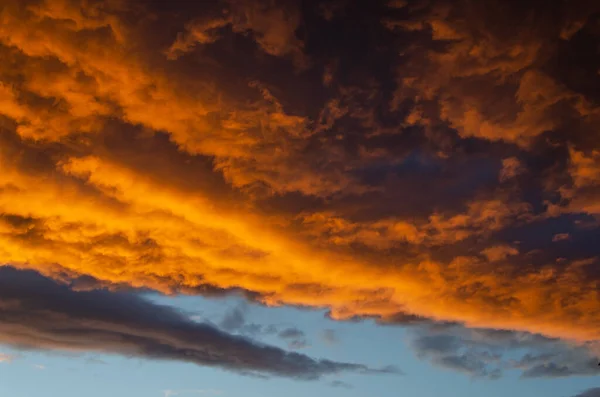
[[38, 313], [439, 169], [590, 393]]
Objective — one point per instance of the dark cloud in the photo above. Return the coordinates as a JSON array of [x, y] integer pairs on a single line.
[[295, 338], [297, 344], [291, 333], [401, 161], [38, 313], [488, 353], [235, 320], [577, 367], [595, 392]]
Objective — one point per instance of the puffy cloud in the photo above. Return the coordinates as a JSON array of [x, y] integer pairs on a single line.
[[511, 167], [585, 169], [499, 252], [233, 320], [87, 84], [480, 217], [481, 79], [41, 314], [94, 216], [584, 193], [273, 26]]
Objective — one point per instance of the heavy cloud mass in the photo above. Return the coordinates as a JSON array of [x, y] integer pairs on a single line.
[[410, 161], [38, 313]]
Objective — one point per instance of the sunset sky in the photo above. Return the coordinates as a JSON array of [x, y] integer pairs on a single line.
[[299, 198]]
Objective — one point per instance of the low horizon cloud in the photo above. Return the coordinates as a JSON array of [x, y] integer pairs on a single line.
[[40, 314]]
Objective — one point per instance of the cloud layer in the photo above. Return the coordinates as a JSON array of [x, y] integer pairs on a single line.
[[427, 160], [38, 313]]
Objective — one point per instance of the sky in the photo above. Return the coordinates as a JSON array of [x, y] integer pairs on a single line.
[[281, 197]]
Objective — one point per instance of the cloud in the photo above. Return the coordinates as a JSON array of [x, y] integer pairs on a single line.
[[291, 333], [511, 167], [41, 314], [330, 336], [594, 392], [560, 237], [295, 338], [478, 79], [584, 192], [499, 252], [424, 183], [235, 321], [272, 25], [200, 32], [488, 353]]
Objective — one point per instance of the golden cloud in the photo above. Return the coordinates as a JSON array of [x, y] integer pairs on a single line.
[[69, 203]]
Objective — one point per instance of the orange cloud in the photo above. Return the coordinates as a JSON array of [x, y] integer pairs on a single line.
[[584, 195], [499, 252], [481, 216], [585, 169], [128, 229], [75, 87], [273, 27], [485, 81], [511, 167]]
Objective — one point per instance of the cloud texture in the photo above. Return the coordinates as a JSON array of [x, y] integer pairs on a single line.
[[444, 166], [38, 313]]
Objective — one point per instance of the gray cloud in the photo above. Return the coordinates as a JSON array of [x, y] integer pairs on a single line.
[[448, 351], [551, 369], [595, 392], [235, 321], [38, 313], [291, 333], [330, 336], [296, 339], [487, 353]]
